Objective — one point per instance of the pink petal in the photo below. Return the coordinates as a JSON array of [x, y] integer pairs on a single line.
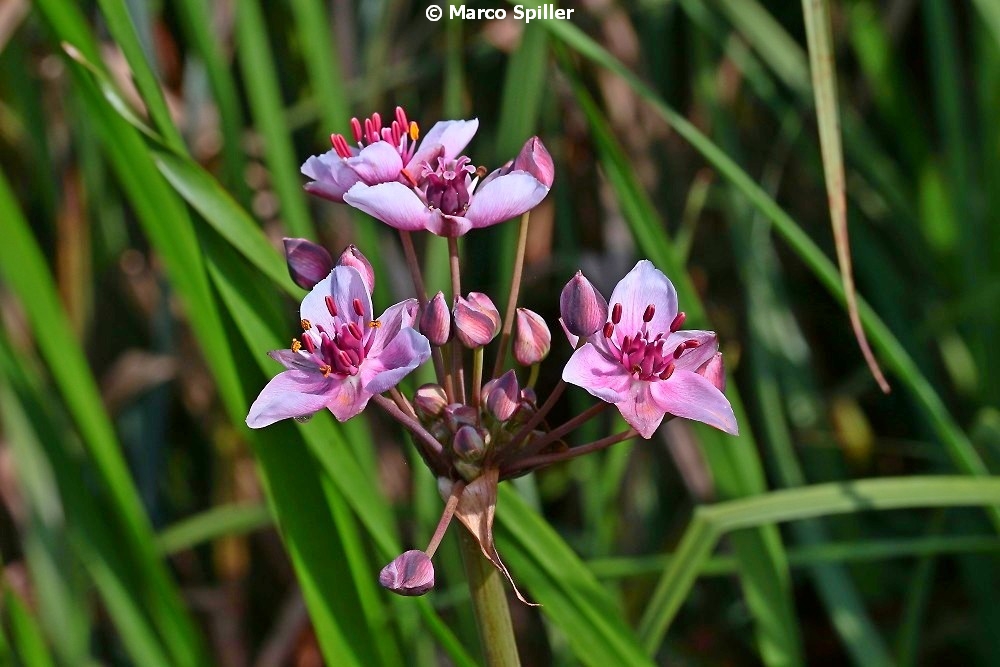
[[447, 225], [640, 410], [393, 203], [504, 198], [642, 286], [689, 395], [293, 393], [405, 352], [292, 360], [349, 399], [603, 378], [447, 136], [399, 316], [331, 175], [377, 163], [344, 284], [572, 338], [692, 359]]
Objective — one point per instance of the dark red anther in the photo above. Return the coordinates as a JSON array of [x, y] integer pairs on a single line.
[[647, 316], [668, 371], [691, 343], [678, 321], [355, 330], [307, 342], [330, 305], [616, 313], [357, 307], [625, 344], [609, 329], [356, 130], [679, 350]]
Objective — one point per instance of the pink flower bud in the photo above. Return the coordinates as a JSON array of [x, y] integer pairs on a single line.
[[477, 320], [353, 257], [532, 339], [457, 415], [584, 310], [502, 396], [435, 321], [429, 401], [308, 263], [714, 371], [468, 443], [534, 158], [411, 573]]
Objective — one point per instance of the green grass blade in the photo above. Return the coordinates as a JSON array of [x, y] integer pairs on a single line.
[[323, 65], [221, 521], [26, 635]]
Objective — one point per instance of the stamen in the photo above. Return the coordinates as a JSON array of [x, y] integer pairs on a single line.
[[691, 343], [414, 130], [308, 342], [306, 325], [357, 307], [296, 345], [325, 370], [480, 171], [356, 129], [647, 316], [668, 372], [330, 305], [616, 313], [678, 321], [679, 350], [609, 329], [375, 324]]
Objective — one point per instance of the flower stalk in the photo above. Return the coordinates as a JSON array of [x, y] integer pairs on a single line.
[[489, 601], [515, 288]]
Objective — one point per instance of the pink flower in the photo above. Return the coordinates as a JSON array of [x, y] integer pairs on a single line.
[[643, 364], [446, 200], [383, 154], [344, 357]]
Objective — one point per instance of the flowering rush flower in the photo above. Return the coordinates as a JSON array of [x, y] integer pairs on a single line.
[[383, 154], [451, 198], [345, 356], [644, 364]]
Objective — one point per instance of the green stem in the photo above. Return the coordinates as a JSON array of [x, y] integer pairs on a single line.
[[515, 288], [477, 377], [489, 602]]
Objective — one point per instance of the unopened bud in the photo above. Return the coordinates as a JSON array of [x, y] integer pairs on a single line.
[[411, 573], [477, 320], [535, 159], [308, 262], [354, 257], [457, 415], [714, 371], [532, 339], [468, 443], [429, 401], [502, 396], [435, 321], [584, 310]]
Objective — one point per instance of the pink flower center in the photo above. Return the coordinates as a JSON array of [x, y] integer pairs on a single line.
[[342, 350], [447, 186], [402, 134], [644, 353]]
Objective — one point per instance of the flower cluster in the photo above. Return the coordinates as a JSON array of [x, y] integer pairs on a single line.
[[633, 354]]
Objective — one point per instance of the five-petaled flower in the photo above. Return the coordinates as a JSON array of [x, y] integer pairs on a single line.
[[643, 363], [344, 356], [384, 154]]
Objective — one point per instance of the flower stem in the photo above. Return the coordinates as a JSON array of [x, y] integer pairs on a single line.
[[458, 373], [524, 466], [515, 288], [414, 265], [560, 431], [477, 377], [489, 602], [429, 448]]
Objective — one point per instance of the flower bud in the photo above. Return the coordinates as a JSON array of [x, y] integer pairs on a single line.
[[457, 415], [353, 257], [714, 371], [411, 573], [584, 310], [477, 320], [468, 443], [429, 401], [308, 263], [534, 158], [532, 338], [502, 396], [435, 321]]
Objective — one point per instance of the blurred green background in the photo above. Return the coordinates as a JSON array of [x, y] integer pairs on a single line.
[[150, 153]]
